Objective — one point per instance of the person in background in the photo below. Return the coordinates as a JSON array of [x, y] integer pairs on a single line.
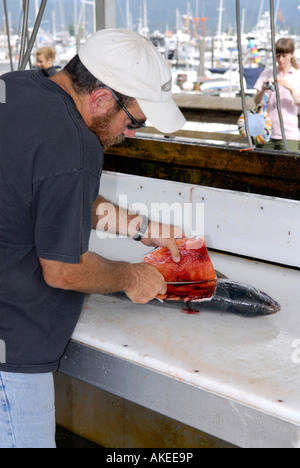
[[45, 60], [288, 76]]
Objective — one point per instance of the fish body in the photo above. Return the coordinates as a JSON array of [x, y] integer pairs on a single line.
[[213, 292], [225, 296]]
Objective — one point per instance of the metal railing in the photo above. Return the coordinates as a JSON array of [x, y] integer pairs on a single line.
[[275, 75], [239, 38], [27, 42]]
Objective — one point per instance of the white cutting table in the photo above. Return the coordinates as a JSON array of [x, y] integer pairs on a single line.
[[235, 378]]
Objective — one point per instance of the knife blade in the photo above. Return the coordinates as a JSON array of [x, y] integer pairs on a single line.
[[182, 283]]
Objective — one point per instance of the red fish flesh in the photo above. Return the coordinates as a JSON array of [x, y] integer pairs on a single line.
[[189, 292], [195, 264]]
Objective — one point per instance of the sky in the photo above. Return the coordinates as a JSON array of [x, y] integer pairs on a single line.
[[161, 13]]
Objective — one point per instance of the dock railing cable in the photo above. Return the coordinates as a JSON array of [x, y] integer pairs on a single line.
[[7, 25], [239, 40], [24, 31], [273, 33], [24, 60]]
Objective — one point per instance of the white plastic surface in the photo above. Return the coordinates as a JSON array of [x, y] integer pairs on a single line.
[[255, 362], [252, 361]]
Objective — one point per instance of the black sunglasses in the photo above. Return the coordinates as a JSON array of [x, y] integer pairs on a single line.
[[136, 125]]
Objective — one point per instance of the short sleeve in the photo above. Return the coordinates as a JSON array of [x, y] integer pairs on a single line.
[[264, 76], [259, 82], [62, 212], [298, 80]]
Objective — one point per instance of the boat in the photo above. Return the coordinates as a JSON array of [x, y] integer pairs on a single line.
[[66, 41], [199, 62]]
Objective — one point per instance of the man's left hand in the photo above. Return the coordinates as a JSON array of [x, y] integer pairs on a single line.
[[163, 235]]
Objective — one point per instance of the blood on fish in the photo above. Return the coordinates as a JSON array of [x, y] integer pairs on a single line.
[[189, 292]]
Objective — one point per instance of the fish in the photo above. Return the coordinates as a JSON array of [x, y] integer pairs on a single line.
[[228, 297], [209, 290]]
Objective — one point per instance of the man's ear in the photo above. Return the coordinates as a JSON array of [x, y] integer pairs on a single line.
[[101, 101]]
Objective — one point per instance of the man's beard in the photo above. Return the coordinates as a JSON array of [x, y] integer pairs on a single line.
[[101, 126]]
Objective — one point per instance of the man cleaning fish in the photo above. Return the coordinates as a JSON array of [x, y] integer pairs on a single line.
[[53, 133], [50, 170]]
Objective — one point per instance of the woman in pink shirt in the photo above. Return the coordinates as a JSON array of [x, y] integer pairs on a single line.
[[288, 76]]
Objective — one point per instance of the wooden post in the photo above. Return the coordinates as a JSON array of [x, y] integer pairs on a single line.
[[105, 14], [202, 48]]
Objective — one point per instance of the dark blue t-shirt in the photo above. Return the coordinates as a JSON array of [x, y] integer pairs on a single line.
[[50, 168]]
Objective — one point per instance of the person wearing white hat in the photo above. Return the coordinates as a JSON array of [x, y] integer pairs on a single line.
[[53, 131], [118, 81], [130, 64]]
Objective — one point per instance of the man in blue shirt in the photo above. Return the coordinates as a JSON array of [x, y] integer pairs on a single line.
[[53, 131]]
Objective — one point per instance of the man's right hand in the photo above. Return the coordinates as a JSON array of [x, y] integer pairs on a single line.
[[96, 275], [146, 283]]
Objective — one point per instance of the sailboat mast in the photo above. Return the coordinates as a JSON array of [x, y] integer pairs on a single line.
[[146, 29], [261, 9], [75, 13], [221, 9], [128, 16]]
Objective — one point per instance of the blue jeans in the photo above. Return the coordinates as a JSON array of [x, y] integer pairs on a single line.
[[27, 413]]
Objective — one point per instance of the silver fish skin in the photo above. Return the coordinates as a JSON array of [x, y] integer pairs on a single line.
[[238, 298]]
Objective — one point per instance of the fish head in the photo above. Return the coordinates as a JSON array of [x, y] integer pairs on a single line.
[[244, 299]]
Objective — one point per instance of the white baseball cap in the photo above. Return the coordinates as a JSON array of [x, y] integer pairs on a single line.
[[131, 65]]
